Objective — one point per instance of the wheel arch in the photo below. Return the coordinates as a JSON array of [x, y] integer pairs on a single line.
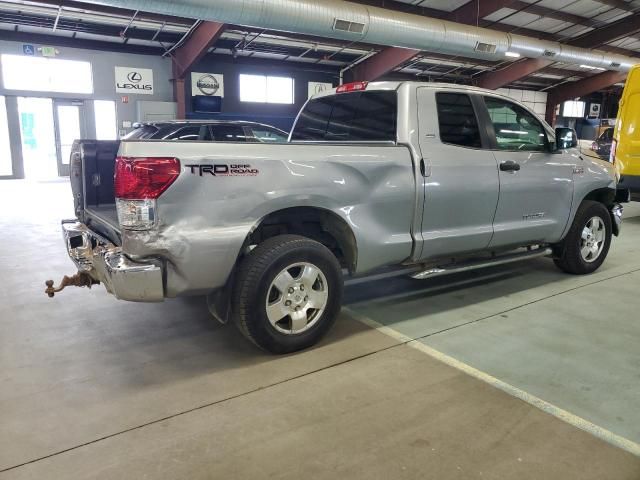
[[606, 196], [319, 224], [603, 195]]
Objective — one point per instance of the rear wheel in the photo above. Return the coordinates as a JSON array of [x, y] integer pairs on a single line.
[[287, 294], [586, 245]]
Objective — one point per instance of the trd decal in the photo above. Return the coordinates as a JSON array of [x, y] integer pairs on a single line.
[[223, 170]]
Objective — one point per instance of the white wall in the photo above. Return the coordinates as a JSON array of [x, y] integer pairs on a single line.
[[537, 101]]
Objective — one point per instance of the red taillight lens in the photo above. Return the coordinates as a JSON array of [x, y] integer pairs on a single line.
[[144, 178], [352, 87]]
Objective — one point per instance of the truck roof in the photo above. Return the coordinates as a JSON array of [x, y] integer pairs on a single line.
[[394, 85], [205, 122]]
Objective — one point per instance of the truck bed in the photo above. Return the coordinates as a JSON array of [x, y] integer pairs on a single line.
[[92, 169]]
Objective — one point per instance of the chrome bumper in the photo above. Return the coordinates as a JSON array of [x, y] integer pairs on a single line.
[[105, 262], [616, 216]]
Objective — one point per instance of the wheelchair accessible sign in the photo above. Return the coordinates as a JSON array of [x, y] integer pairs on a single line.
[[28, 49]]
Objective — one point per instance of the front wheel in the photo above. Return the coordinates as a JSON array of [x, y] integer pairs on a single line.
[[287, 294], [586, 245]]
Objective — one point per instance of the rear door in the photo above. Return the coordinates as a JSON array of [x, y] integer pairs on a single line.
[[461, 175], [536, 185]]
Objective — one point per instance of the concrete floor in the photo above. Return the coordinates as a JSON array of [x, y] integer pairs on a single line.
[[91, 387]]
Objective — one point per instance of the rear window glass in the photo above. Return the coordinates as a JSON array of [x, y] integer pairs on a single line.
[[356, 116], [145, 131]]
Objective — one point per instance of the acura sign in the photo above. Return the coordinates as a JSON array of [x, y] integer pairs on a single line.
[[134, 80]]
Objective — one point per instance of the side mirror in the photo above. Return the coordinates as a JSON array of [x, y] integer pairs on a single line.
[[566, 138]]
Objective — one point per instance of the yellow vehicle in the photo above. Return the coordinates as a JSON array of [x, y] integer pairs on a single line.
[[625, 148]]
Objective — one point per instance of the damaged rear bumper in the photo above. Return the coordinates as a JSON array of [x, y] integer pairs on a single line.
[[105, 262]]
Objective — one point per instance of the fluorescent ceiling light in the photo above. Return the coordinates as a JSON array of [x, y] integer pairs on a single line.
[[512, 54], [591, 68]]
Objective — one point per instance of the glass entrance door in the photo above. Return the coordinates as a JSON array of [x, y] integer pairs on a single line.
[[69, 126], [38, 138], [6, 162]]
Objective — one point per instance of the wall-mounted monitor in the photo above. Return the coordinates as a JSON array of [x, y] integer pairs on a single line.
[[206, 104]]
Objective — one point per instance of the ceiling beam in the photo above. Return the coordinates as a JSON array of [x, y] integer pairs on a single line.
[[390, 58], [620, 4], [188, 54], [583, 87], [555, 14], [383, 62], [609, 33], [511, 73], [196, 46], [594, 38]]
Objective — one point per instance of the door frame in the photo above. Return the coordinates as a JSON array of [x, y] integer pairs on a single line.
[[63, 168]]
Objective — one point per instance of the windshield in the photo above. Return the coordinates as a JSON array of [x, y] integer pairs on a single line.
[[356, 116]]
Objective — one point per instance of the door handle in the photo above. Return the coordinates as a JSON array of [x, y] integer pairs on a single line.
[[509, 166]]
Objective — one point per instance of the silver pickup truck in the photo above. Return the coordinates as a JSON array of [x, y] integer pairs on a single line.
[[377, 179]]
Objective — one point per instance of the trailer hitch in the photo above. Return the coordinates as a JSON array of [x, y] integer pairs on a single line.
[[80, 279]]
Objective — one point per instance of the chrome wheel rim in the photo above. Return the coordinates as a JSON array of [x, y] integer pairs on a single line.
[[297, 298], [592, 239]]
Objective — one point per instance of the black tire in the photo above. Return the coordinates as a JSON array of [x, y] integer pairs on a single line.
[[569, 257], [253, 284]]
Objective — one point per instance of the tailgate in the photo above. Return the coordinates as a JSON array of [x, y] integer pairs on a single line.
[[92, 168]]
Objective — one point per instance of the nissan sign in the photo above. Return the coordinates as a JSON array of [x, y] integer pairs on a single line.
[[207, 84]]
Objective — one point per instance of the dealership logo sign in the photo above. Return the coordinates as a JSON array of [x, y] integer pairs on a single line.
[[134, 80], [134, 77], [207, 84]]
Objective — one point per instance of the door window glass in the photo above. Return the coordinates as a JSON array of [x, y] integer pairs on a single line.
[[457, 120], [516, 129], [6, 167], [607, 135]]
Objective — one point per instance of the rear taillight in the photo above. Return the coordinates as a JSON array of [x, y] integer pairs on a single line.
[[612, 154], [144, 178], [138, 183]]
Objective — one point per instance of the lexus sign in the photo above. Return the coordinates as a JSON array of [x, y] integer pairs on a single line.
[[133, 80], [207, 84]]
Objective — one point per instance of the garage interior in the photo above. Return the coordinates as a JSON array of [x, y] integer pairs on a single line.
[[513, 371]]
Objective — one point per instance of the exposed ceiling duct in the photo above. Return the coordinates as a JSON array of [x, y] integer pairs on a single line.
[[362, 23]]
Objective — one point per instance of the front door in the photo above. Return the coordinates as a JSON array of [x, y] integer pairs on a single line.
[[69, 126], [460, 175], [536, 185]]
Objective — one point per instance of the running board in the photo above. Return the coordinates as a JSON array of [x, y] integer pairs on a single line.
[[477, 264]]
